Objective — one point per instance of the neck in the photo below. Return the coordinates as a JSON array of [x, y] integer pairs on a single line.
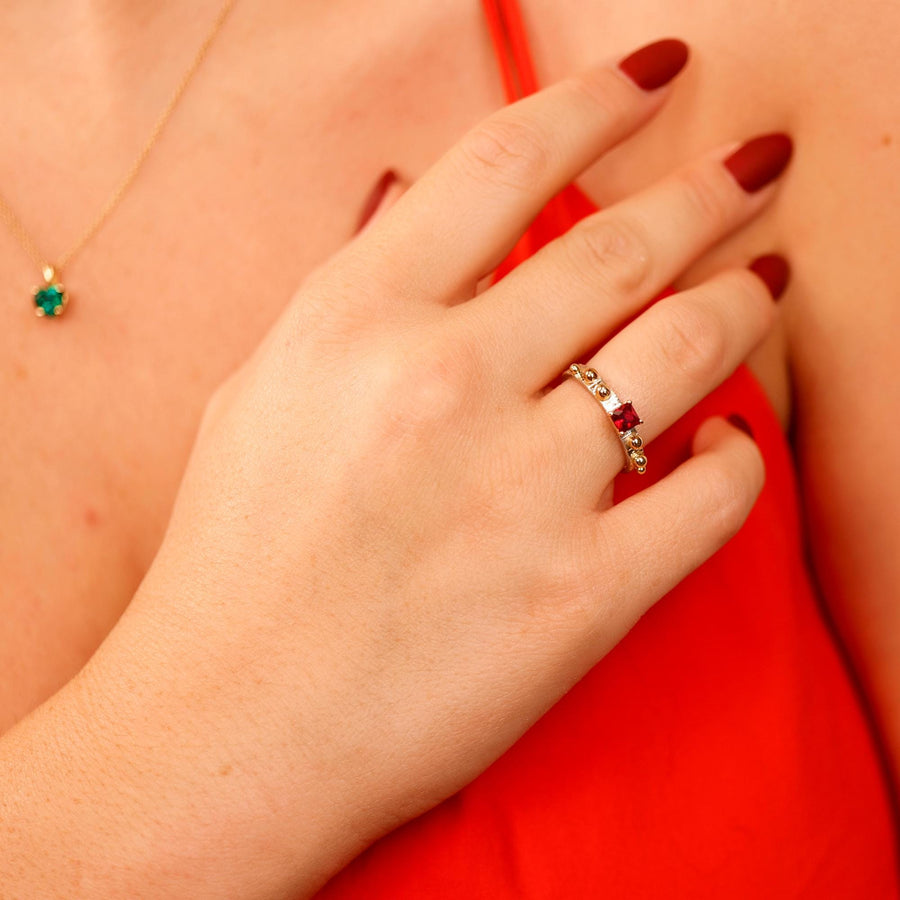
[[84, 81], [100, 40]]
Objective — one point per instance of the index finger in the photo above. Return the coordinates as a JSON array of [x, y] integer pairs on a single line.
[[458, 221]]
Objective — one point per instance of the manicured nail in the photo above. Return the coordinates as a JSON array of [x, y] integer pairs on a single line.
[[742, 423], [760, 161], [774, 271], [376, 195], [656, 64]]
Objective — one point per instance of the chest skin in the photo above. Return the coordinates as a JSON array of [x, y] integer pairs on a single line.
[[259, 176]]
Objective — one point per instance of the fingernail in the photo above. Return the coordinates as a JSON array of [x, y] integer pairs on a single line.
[[742, 423], [376, 195], [774, 271], [760, 161], [656, 64]]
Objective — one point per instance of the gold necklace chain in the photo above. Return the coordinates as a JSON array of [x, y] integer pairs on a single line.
[[51, 299]]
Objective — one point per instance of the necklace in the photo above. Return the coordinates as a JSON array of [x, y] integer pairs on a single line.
[[51, 298]]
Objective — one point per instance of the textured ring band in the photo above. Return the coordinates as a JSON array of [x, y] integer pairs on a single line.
[[622, 415]]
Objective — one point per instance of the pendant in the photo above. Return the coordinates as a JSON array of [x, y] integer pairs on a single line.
[[51, 298]]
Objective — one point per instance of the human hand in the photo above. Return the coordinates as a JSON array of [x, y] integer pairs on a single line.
[[394, 547]]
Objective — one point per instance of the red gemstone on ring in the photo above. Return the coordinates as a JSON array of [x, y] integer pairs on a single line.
[[625, 418]]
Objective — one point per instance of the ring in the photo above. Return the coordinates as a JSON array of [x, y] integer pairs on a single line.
[[623, 416]]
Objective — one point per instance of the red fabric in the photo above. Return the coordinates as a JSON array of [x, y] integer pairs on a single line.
[[719, 751]]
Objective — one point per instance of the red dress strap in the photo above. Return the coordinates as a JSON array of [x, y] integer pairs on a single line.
[[504, 21]]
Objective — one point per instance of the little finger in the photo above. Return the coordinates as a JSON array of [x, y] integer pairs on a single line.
[[642, 547]]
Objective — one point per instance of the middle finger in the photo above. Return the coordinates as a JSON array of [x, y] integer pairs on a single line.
[[570, 295]]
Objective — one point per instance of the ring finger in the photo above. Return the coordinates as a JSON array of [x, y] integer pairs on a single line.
[[664, 362]]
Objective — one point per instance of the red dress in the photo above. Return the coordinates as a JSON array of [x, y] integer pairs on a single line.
[[719, 751]]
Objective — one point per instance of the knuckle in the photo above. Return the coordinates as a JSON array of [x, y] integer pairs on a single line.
[[614, 251], [424, 393], [507, 149], [703, 191], [694, 344]]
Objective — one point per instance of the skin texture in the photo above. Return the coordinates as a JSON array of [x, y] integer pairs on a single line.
[[101, 497], [90, 473], [333, 655], [149, 343]]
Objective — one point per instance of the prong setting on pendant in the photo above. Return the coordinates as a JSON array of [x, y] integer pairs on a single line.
[[50, 299]]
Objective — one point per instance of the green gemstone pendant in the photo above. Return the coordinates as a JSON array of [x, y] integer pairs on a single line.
[[51, 298]]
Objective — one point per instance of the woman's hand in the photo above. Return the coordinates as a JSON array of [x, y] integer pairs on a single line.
[[394, 546]]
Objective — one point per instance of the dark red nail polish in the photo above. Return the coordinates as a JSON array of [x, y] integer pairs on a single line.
[[740, 422], [656, 64], [774, 271], [760, 161]]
